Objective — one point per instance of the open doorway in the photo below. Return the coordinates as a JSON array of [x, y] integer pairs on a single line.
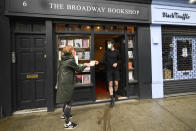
[[102, 92]]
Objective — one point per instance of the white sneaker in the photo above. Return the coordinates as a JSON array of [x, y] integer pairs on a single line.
[[70, 125]]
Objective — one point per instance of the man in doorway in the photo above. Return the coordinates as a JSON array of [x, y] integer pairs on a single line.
[[112, 60]]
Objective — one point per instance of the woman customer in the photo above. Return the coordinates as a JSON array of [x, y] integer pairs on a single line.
[[65, 89]]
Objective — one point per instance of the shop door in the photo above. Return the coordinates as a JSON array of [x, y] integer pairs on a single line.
[[122, 82], [30, 71]]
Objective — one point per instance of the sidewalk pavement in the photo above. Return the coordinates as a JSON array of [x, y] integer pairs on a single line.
[[167, 114]]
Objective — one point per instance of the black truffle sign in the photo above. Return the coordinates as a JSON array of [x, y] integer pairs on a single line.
[[176, 15]]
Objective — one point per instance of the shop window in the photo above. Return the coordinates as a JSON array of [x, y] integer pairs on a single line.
[[38, 28], [22, 27], [130, 29], [168, 55], [73, 28], [109, 28], [81, 44], [98, 28], [86, 28], [179, 58], [131, 59], [60, 27], [120, 28], [184, 55]]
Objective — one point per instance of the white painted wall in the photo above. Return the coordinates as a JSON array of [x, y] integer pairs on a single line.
[[156, 57]]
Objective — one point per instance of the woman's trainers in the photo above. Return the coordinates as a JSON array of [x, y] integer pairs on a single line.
[[70, 125]]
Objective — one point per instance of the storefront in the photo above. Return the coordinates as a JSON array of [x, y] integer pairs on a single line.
[[38, 30], [173, 40]]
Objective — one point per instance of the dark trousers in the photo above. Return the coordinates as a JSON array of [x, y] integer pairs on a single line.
[[67, 111]]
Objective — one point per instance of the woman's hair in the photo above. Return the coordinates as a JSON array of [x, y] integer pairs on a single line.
[[111, 41], [68, 49]]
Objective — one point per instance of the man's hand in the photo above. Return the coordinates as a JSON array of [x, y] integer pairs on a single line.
[[115, 65], [96, 62]]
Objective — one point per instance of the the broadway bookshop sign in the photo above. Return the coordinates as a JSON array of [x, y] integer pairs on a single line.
[[76, 8]]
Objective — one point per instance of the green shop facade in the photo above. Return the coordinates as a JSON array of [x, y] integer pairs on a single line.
[[33, 32]]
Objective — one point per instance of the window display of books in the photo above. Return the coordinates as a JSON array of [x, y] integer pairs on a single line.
[[77, 43], [131, 58], [82, 49], [83, 55]]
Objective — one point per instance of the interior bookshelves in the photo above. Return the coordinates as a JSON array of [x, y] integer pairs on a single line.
[[81, 44]]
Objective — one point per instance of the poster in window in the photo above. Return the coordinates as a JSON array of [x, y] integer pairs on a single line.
[[184, 55]]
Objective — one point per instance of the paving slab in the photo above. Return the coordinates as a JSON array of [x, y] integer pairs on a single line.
[[167, 114]]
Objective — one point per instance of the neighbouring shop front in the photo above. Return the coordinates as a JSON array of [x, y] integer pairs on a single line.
[[175, 41], [38, 31]]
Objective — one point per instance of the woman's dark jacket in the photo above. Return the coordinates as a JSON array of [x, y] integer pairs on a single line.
[[66, 75]]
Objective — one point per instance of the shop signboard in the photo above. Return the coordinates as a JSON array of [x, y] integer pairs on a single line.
[[76, 8], [173, 15]]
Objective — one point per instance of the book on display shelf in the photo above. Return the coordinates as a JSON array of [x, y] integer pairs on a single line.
[[76, 59], [85, 43], [131, 75], [87, 55], [130, 65], [130, 54], [80, 55], [62, 44], [79, 79], [130, 43], [78, 43], [86, 79], [60, 55], [70, 42]]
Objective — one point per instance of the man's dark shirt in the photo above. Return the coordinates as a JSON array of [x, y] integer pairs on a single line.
[[111, 57]]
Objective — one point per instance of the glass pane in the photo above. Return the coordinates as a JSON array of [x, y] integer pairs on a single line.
[[74, 28], [98, 28], [131, 59], [86, 28], [22, 27], [38, 28], [109, 28], [81, 44], [168, 55], [60, 27], [120, 28], [130, 29], [184, 55]]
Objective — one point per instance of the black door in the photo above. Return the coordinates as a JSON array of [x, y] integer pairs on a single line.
[[121, 47], [30, 71]]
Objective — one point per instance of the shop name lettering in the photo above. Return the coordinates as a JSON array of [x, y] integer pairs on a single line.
[[176, 15], [93, 9]]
